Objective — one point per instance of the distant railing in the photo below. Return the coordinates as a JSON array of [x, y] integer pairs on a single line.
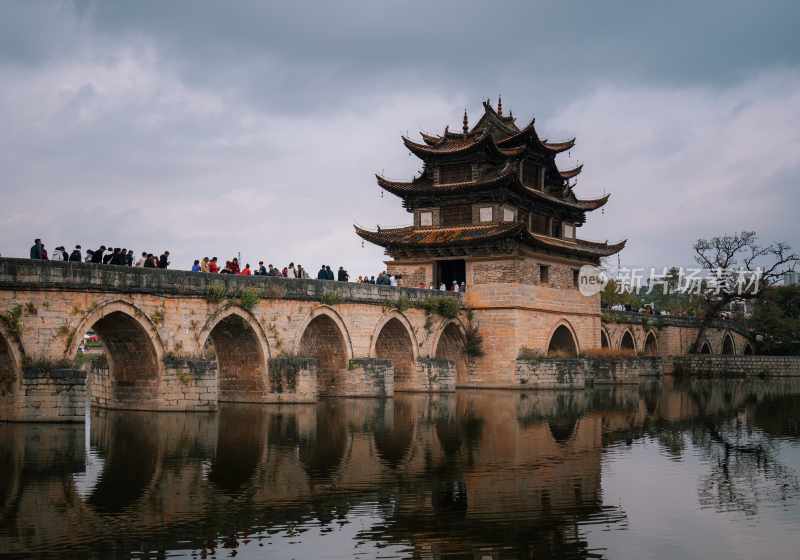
[[27, 274], [634, 317]]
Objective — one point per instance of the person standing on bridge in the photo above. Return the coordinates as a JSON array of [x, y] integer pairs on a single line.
[[163, 261], [75, 256], [97, 256], [36, 250], [213, 267], [246, 270]]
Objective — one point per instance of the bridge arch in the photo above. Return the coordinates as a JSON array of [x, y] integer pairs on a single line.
[[394, 339], [728, 344], [562, 340], [605, 340], [651, 344], [324, 337], [134, 351], [242, 353], [10, 372], [449, 345], [627, 343]]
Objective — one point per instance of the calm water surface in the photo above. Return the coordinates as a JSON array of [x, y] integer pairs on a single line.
[[702, 470]]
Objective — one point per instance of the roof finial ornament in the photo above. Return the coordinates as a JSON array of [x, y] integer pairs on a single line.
[[499, 106], [465, 127]]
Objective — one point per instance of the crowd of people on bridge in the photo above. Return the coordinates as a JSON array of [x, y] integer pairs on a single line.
[[119, 256], [122, 256]]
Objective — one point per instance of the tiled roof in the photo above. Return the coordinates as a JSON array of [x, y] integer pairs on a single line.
[[508, 177], [424, 237], [438, 236]]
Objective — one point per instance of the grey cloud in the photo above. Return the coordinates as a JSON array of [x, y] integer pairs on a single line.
[[211, 128]]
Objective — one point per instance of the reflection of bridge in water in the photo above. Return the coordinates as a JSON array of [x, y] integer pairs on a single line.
[[447, 473]]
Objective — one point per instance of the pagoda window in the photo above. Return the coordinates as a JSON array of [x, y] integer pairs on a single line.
[[555, 228], [569, 231], [544, 274], [509, 214], [539, 224], [530, 173], [426, 218], [486, 214], [455, 173], [459, 215]]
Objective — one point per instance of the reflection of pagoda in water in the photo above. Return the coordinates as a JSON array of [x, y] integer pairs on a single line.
[[505, 474]]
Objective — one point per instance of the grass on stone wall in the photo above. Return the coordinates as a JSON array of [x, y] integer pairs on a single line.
[[249, 297], [13, 320], [216, 292], [330, 298], [444, 306], [473, 342]]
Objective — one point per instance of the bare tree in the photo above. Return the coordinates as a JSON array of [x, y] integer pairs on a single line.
[[730, 258]]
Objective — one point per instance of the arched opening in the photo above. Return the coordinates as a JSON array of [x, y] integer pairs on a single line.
[[129, 356], [241, 362], [627, 343], [604, 343], [395, 344], [748, 350], [451, 347], [651, 345], [728, 346], [705, 348], [324, 341], [9, 378], [562, 343]]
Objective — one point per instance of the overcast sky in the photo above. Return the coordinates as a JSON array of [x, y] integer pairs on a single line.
[[210, 128]]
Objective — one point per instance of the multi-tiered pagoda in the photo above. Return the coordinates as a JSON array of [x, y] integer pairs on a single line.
[[493, 210], [490, 190]]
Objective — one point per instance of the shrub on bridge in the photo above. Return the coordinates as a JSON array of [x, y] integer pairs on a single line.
[[444, 306]]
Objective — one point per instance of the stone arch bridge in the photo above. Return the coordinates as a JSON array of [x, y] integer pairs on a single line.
[[177, 340]]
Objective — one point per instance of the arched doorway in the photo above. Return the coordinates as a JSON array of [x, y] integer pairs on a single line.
[[705, 348], [9, 378], [129, 361], [651, 344], [323, 340], [728, 346], [627, 344], [451, 347], [241, 359], [604, 343], [394, 343], [562, 343], [748, 350]]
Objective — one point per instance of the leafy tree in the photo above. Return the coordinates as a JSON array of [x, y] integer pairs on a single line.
[[776, 317]]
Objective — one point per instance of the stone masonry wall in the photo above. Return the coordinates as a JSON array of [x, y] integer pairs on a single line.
[[431, 375], [52, 395], [576, 373], [704, 365], [365, 377]]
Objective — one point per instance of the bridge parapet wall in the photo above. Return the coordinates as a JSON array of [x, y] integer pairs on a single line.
[[56, 275]]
